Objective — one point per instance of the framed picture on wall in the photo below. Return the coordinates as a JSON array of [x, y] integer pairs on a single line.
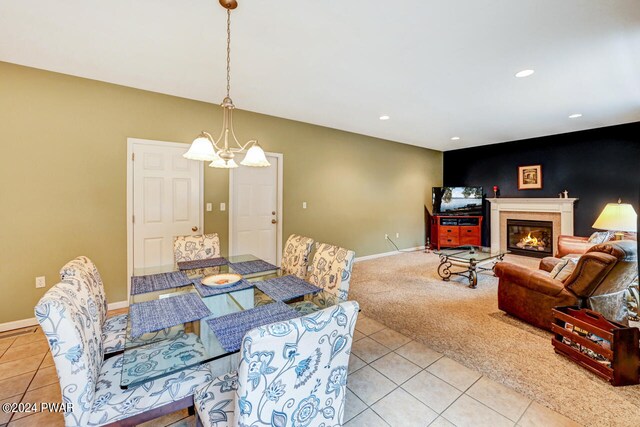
[[530, 177]]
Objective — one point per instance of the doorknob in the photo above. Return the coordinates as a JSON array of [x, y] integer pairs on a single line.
[[273, 212], [273, 221], [194, 228]]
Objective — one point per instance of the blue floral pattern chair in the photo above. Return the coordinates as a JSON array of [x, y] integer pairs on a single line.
[[295, 256], [69, 316], [331, 269], [191, 248], [291, 373], [114, 328]]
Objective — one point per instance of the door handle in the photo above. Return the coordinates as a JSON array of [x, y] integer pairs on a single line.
[[194, 228], [273, 221], [273, 212]]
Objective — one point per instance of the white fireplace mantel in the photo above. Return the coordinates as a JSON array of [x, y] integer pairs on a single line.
[[556, 205]]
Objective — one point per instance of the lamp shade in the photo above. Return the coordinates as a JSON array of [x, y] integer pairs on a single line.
[[617, 217], [201, 149], [221, 164], [255, 157]]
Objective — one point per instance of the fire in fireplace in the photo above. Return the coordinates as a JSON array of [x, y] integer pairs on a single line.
[[530, 238]]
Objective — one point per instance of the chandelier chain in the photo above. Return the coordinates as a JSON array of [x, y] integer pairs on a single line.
[[228, 51]]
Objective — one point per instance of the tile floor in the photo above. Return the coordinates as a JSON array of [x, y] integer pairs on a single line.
[[393, 381]]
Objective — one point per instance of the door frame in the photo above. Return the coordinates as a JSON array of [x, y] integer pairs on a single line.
[[130, 196], [279, 215]]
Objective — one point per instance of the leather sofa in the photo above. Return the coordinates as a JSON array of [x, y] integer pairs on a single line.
[[600, 282], [580, 245]]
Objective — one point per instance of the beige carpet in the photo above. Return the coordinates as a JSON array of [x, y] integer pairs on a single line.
[[405, 293]]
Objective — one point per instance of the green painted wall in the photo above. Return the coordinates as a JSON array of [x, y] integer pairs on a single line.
[[63, 160]]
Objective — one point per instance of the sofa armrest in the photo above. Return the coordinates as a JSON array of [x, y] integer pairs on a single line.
[[535, 280], [547, 263]]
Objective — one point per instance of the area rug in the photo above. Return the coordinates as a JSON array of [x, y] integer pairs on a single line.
[[405, 293]]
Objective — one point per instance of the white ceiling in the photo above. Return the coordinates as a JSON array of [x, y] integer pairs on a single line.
[[438, 68]]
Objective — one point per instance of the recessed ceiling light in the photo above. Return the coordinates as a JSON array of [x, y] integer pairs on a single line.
[[455, 138], [385, 117], [575, 116], [524, 73]]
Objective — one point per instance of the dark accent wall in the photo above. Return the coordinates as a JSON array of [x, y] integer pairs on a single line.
[[597, 166]]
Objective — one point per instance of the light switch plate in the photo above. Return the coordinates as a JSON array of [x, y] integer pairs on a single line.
[[223, 207], [209, 207]]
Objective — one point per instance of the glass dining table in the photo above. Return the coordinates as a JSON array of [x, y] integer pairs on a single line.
[[175, 347]]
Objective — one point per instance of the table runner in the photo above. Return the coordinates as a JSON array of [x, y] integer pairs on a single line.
[[207, 291], [150, 316], [231, 328], [158, 282], [202, 263], [286, 288], [249, 267]]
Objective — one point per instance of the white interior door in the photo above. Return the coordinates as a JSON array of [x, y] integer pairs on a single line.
[[167, 200], [254, 215]]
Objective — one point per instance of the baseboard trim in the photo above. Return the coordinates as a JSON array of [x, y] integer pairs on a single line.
[[17, 324], [117, 305], [386, 254]]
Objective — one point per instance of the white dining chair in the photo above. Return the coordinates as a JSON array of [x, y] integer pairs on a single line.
[[295, 255], [114, 328], [192, 248], [70, 321], [291, 373], [331, 271]]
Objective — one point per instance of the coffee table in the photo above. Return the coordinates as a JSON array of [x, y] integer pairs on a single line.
[[470, 258]]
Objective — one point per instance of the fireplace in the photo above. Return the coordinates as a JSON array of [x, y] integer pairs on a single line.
[[530, 238]]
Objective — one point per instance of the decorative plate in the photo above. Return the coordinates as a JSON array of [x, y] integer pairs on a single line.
[[221, 280]]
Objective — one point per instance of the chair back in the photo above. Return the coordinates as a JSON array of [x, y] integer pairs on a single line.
[[68, 315], [603, 276], [331, 269], [295, 256], [191, 248], [295, 372], [83, 268]]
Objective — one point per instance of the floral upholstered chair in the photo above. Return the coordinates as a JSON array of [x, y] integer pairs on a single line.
[[191, 248], [69, 316], [295, 256], [331, 269], [113, 329], [291, 373]]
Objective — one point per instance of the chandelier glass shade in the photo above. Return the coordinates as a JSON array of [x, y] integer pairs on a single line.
[[221, 151]]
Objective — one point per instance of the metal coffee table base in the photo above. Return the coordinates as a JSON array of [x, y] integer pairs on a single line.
[[471, 273]]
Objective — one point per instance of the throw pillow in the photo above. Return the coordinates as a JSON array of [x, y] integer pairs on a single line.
[[559, 266], [564, 269], [633, 301], [601, 237]]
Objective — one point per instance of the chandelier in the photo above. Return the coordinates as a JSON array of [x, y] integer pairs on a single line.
[[221, 151]]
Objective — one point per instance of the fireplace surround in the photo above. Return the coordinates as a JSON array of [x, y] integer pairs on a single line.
[[557, 210]]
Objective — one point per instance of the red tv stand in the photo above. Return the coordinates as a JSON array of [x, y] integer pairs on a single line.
[[451, 231]]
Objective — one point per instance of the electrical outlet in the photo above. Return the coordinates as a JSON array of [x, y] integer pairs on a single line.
[[223, 207], [386, 237], [397, 235], [209, 207], [40, 282], [304, 205]]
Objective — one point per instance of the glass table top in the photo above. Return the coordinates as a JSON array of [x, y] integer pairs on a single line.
[[471, 253], [157, 354]]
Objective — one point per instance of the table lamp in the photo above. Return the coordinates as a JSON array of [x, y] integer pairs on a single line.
[[618, 217]]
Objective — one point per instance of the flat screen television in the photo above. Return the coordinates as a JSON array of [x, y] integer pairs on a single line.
[[457, 200]]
